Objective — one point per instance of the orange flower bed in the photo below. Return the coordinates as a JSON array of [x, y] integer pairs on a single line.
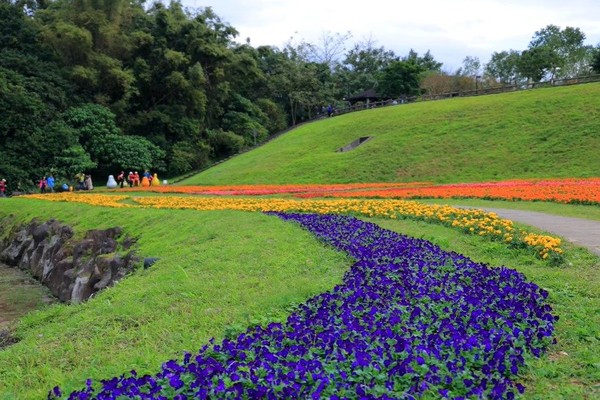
[[572, 190]]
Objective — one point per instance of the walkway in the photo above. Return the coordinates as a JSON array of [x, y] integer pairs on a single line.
[[582, 232]]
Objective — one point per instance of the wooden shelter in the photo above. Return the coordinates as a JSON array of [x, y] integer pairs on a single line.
[[368, 96]]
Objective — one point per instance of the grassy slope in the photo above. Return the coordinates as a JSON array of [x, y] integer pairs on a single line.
[[213, 279], [218, 272], [538, 133]]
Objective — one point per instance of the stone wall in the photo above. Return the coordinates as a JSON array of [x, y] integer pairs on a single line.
[[72, 269]]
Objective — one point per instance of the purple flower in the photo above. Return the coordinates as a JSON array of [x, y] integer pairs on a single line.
[[408, 318]]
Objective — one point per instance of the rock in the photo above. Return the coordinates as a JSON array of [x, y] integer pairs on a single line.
[[72, 269]]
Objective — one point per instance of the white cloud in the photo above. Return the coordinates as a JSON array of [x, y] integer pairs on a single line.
[[452, 30]]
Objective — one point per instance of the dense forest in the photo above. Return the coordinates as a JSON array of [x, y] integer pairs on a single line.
[[100, 86]]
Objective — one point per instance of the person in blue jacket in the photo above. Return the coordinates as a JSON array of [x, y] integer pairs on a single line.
[[50, 183]]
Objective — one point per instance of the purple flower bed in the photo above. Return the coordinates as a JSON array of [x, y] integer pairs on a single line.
[[408, 321]]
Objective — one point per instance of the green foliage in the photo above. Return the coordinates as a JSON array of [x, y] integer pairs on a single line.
[[72, 43], [274, 115], [70, 161], [245, 119], [595, 63], [33, 93], [535, 63], [90, 121], [224, 143], [399, 78], [504, 66], [562, 50], [186, 156], [115, 152]]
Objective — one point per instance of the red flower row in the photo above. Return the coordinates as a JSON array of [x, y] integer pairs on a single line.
[[579, 190]]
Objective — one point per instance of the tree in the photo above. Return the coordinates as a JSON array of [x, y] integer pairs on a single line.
[[115, 152], [363, 63], [426, 63], [90, 120], [504, 66], [595, 63], [533, 64], [33, 94], [564, 50], [471, 66], [329, 48], [399, 78], [107, 147]]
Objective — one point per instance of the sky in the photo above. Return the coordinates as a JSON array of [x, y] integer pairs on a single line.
[[450, 29]]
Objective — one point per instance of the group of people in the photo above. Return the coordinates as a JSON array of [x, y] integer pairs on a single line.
[[84, 181], [132, 179], [46, 184]]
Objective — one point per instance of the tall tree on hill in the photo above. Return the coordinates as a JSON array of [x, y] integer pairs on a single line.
[[503, 66], [564, 52], [595, 62], [360, 69], [535, 63], [399, 78], [426, 63]]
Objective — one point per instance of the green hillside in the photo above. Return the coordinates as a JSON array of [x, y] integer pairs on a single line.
[[550, 133]]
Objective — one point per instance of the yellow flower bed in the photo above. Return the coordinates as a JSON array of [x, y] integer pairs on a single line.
[[470, 221], [87, 198]]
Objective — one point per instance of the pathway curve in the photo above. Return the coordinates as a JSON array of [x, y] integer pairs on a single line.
[[582, 232]]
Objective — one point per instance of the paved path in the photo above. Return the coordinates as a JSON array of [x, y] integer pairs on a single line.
[[582, 232]]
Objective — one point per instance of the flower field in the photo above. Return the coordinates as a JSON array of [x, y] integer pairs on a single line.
[[573, 190], [408, 321], [472, 221], [578, 191]]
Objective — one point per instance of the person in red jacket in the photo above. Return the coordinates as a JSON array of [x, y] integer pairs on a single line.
[[3, 188], [43, 185], [121, 179], [130, 179]]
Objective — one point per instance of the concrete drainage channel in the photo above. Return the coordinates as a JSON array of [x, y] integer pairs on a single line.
[[354, 144]]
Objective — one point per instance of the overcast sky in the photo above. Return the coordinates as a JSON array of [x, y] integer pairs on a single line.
[[451, 29]]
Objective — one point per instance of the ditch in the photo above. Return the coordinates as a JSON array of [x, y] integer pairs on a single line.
[[19, 294]]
